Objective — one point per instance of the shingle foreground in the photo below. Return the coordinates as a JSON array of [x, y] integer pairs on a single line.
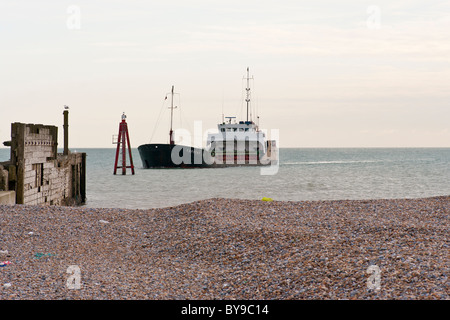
[[228, 249]]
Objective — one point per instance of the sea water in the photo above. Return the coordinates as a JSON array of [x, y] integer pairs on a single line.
[[302, 174]]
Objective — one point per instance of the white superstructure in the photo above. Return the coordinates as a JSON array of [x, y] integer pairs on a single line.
[[239, 142]]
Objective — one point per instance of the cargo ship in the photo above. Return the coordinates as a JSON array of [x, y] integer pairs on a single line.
[[163, 155], [237, 143]]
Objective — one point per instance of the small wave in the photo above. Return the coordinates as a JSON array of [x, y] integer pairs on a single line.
[[355, 161], [331, 162]]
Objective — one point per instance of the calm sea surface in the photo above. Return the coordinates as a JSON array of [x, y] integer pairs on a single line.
[[303, 174]]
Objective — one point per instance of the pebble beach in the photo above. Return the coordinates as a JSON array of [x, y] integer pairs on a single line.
[[228, 249]]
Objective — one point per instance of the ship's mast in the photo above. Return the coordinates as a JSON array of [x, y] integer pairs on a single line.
[[248, 90], [171, 120]]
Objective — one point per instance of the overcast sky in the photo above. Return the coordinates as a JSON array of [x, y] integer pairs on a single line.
[[342, 73]]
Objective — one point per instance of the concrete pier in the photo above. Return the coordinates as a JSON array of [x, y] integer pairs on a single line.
[[36, 173]]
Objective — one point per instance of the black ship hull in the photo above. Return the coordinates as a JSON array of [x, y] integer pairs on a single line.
[[171, 156], [178, 156]]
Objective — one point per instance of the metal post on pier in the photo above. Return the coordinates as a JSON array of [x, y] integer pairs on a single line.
[[122, 141]]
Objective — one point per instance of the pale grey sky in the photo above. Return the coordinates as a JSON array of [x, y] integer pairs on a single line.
[[326, 73]]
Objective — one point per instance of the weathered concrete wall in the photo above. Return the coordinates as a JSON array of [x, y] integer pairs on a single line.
[[32, 149], [7, 197], [42, 176]]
